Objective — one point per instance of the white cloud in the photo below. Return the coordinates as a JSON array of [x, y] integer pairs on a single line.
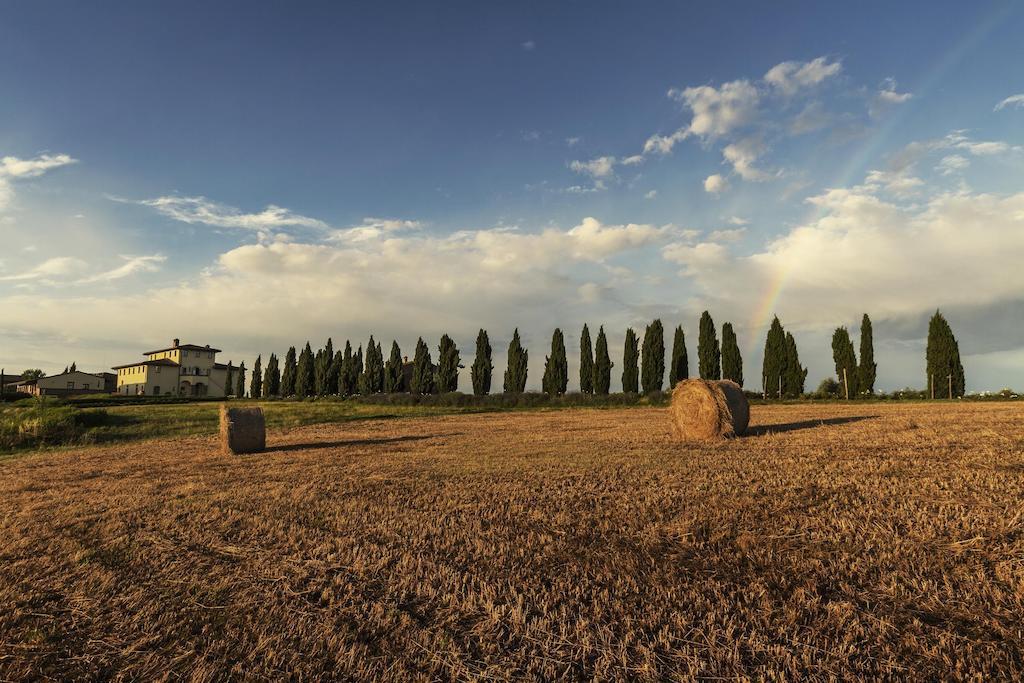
[[736, 220], [790, 77], [207, 212], [899, 183], [56, 267], [573, 141], [13, 168], [718, 111], [727, 235], [601, 167], [715, 183], [373, 228], [743, 154], [954, 163], [131, 266], [651, 195], [1011, 101]]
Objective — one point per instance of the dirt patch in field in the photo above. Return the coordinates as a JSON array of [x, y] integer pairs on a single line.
[[862, 541]]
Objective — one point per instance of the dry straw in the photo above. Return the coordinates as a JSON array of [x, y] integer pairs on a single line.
[[242, 430], [706, 409]]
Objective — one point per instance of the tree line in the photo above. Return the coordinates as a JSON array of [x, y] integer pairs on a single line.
[[350, 372]]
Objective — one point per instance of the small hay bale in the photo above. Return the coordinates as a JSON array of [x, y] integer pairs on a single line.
[[242, 430], [708, 409]]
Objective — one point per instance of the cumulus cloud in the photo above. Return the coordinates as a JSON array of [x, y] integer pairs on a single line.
[[886, 97], [600, 169], [1011, 101], [207, 212], [743, 154], [718, 111], [790, 77], [715, 183], [899, 183]]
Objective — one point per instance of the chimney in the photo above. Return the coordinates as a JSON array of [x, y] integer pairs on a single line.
[[174, 344]]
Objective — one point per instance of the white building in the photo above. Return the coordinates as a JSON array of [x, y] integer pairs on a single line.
[[178, 370]]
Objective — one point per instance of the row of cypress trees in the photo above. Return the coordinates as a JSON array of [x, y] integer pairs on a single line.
[[643, 365]]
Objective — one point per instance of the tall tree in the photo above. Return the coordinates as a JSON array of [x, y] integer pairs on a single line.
[[393, 375], [556, 367], [630, 371], [732, 361], [74, 367], [481, 370], [228, 386], [867, 369], [448, 360], [846, 362], [240, 383], [372, 379], [422, 370], [680, 366], [288, 377], [586, 362], [272, 377], [653, 369], [774, 360], [304, 373], [256, 384], [709, 356], [346, 381], [321, 368], [942, 360], [602, 364], [518, 364], [795, 374]]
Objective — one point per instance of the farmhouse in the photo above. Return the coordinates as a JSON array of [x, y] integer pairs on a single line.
[[69, 383], [178, 370]]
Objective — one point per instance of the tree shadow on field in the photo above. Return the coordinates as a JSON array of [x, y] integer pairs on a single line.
[[348, 443], [761, 430]]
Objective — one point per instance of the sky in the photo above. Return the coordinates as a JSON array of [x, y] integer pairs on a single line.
[[251, 175]]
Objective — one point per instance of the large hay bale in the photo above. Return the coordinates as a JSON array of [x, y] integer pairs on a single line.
[[708, 409], [242, 430]]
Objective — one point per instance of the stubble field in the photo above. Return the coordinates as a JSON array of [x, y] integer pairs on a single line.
[[866, 540]]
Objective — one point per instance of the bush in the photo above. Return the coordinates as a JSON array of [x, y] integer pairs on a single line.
[[46, 424]]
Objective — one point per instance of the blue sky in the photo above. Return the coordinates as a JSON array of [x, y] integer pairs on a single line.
[[253, 174]]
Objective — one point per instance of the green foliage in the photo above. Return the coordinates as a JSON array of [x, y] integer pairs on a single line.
[[371, 381], [347, 377], [518, 362], [229, 376], [709, 356], [288, 377], [447, 365], [732, 361], [33, 373], [829, 388], [867, 369], [653, 373], [774, 360], [846, 362], [556, 367], [272, 377], [630, 371], [602, 365], [393, 376], [679, 368], [795, 375], [422, 370], [586, 362], [240, 381], [304, 373], [256, 384], [322, 369], [482, 368], [942, 360]]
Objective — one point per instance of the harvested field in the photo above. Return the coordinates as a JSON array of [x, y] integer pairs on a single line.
[[865, 540]]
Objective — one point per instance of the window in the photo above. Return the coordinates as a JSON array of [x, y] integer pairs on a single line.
[[71, 385], [156, 390]]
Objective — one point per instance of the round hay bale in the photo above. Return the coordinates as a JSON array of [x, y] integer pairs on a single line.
[[242, 430], [708, 409]]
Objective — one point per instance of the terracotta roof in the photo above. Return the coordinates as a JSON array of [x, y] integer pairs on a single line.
[[161, 361], [186, 347]]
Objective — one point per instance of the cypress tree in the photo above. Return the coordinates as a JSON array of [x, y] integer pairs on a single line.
[[846, 362], [256, 384], [482, 368], [518, 363], [288, 377], [346, 387], [447, 365], [867, 369], [709, 356], [586, 362], [357, 368], [774, 359], [653, 369], [372, 379], [556, 367], [602, 364], [795, 374], [942, 359], [393, 371], [272, 377], [322, 369], [422, 370], [228, 387], [240, 384], [304, 373], [732, 361], [680, 366], [630, 374]]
